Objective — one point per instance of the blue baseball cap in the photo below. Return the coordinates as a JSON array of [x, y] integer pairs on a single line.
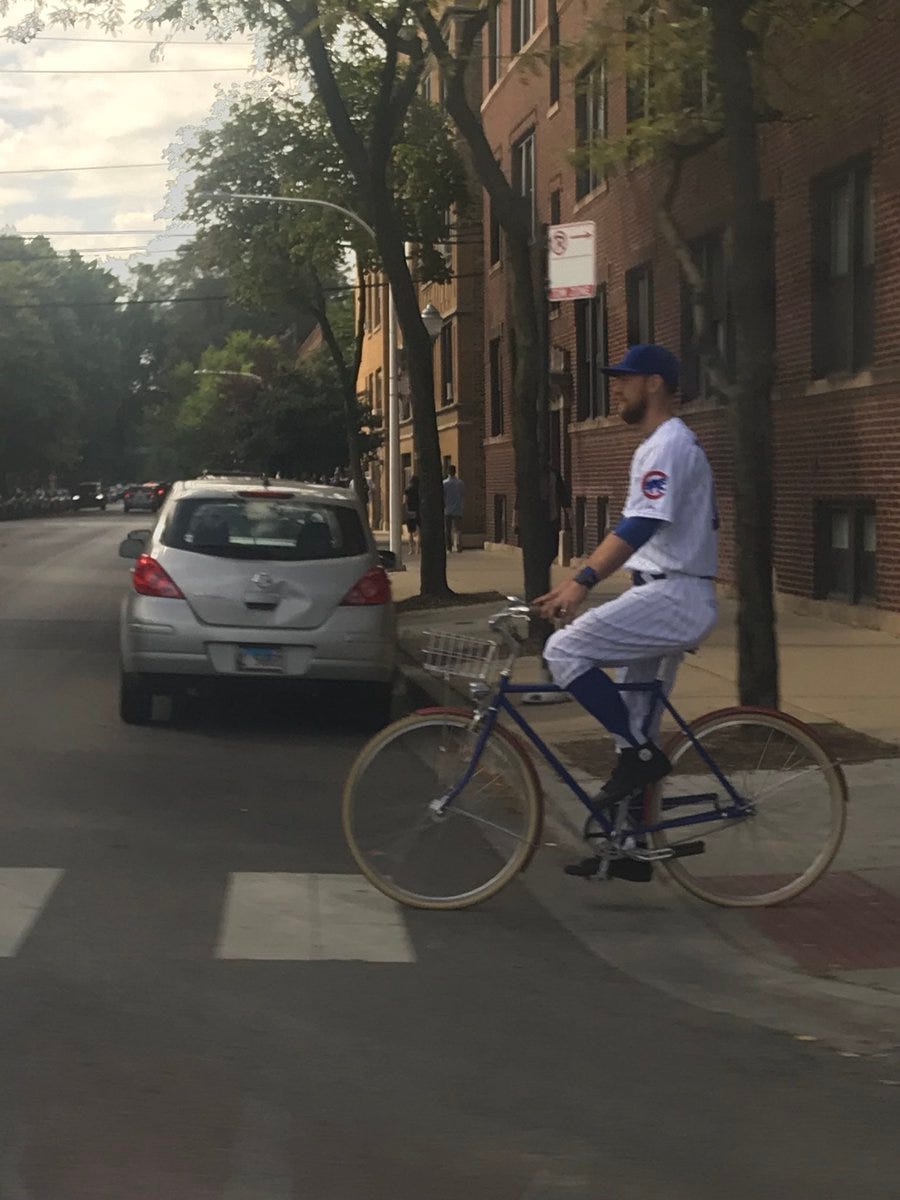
[[648, 360]]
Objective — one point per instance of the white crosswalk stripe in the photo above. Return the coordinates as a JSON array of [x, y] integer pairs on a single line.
[[23, 893], [280, 916]]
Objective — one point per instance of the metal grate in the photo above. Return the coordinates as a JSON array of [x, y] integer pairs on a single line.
[[454, 654]]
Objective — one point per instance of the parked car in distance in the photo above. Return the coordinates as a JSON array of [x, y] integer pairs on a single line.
[[144, 497], [246, 579], [89, 494]]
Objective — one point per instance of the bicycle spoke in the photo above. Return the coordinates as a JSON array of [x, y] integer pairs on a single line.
[[795, 815]]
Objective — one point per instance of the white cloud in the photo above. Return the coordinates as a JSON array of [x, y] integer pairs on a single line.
[[102, 119]]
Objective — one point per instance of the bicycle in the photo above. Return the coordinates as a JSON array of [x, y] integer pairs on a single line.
[[455, 783]]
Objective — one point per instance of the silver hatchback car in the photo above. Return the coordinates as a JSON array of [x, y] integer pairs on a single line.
[[249, 579]]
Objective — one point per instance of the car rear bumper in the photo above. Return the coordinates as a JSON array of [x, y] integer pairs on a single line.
[[163, 637]]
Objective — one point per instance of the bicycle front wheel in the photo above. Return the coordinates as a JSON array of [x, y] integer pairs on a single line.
[[457, 858], [787, 826]]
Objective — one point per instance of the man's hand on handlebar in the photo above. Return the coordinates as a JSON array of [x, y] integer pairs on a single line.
[[562, 602]]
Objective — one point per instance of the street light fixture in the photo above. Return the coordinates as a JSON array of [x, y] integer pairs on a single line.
[[395, 485]]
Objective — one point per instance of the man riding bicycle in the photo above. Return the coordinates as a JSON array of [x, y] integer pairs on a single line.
[[667, 539]]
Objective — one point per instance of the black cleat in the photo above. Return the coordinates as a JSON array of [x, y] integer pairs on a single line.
[[636, 769], [586, 869]]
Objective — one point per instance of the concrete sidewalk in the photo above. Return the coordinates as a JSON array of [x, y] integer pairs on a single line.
[[843, 680]]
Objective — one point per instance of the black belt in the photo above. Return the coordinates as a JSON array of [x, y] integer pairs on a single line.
[[639, 578]]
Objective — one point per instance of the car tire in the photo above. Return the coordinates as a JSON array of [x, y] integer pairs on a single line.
[[370, 705], [135, 700], [103, 508]]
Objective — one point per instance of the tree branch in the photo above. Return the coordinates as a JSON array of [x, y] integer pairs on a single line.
[[715, 364]]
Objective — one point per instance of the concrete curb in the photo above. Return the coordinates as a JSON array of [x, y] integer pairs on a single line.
[[670, 941]]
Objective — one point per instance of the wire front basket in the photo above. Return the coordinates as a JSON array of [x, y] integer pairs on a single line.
[[448, 654]]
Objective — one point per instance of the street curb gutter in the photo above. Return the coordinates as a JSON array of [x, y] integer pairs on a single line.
[[677, 948]]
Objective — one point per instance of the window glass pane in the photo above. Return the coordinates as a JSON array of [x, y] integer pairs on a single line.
[[841, 242], [285, 530], [840, 530], [866, 217], [869, 538]]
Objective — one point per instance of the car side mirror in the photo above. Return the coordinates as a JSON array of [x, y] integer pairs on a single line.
[[135, 543], [388, 559]]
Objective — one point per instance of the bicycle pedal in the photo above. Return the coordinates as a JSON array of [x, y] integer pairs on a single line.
[[688, 849]]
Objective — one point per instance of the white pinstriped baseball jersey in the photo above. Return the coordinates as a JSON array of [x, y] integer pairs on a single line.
[[671, 480]]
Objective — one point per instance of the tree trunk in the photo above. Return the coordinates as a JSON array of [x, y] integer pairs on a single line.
[[528, 350], [368, 161], [526, 347], [419, 362], [753, 439]]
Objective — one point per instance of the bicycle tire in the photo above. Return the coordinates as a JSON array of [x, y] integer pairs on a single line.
[[732, 738], [523, 790]]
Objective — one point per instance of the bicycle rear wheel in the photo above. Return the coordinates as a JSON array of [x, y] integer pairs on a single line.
[[456, 859], [796, 801]]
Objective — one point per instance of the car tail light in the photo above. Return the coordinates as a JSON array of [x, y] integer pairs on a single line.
[[161, 491], [150, 579], [373, 588]]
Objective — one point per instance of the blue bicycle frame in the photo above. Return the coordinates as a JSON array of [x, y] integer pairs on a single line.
[[501, 703]]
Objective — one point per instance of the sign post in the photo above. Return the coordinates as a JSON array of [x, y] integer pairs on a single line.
[[572, 261]]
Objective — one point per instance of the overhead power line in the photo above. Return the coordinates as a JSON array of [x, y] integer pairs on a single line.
[[104, 167], [112, 41], [122, 70], [95, 233]]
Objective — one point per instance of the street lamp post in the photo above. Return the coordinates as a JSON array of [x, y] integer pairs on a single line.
[[395, 497]]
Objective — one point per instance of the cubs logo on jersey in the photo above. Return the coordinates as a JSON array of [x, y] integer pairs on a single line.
[[654, 484]]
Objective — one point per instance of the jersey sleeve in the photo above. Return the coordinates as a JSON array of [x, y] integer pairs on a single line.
[[656, 476]]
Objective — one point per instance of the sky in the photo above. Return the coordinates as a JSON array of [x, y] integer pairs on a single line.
[[104, 102]]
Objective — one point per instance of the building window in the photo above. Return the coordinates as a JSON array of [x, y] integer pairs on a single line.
[[709, 256], [578, 526], [522, 12], [425, 88], [500, 519], [846, 544], [553, 30], [639, 304], [638, 27], [843, 274], [591, 352], [554, 306], [523, 174], [495, 234], [495, 380], [494, 47], [590, 124], [375, 291], [602, 518], [447, 394], [378, 403]]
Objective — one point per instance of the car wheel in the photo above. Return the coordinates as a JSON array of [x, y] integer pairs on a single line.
[[370, 705], [103, 508], [135, 700]]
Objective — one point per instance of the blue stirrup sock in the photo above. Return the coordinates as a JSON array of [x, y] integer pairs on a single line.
[[596, 692]]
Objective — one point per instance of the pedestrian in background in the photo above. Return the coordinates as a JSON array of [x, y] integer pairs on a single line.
[[454, 501], [411, 502]]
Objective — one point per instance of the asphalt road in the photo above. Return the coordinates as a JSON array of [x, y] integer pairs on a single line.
[[144, 1053]]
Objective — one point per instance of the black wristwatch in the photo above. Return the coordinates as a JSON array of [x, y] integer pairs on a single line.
[[587, 577]]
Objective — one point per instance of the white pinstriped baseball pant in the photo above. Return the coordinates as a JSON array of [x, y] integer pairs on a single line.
[[644, 632]]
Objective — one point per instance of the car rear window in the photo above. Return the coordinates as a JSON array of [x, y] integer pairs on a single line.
[[295, 530]]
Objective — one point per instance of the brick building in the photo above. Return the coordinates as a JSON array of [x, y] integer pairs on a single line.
[[833, 184]]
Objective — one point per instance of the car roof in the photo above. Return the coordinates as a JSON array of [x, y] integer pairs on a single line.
[[210, 486]]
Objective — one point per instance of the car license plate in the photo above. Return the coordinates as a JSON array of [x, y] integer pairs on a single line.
[[260, 658]]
